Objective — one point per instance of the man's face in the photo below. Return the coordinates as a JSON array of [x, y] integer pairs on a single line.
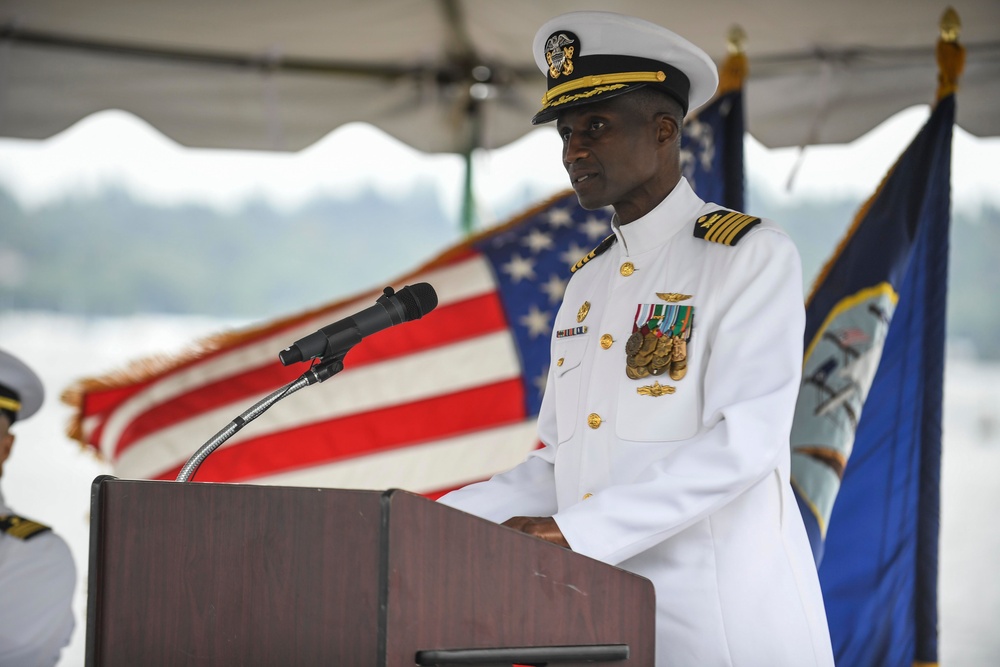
[[6, 440], [611, 153]]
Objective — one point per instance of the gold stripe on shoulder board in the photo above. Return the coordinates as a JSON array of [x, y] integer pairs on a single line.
[[21, 528], [604, 245], [724, 226]]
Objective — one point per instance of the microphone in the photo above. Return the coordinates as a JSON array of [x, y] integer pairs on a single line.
[[410, 303]]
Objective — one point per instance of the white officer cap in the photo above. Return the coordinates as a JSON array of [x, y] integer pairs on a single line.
[[592, 56], [21, 392]]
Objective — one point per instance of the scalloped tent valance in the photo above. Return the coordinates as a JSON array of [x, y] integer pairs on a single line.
[[447, 75]]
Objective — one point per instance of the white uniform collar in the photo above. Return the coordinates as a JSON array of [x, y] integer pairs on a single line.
[[3, 506], [676, 212]]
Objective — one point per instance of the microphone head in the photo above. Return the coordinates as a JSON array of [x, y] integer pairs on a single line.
[[417, 300]]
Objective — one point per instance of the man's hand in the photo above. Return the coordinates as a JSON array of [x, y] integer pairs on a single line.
[[544, 527]]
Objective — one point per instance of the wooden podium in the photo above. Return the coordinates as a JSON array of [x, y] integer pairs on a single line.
[[229, 574]]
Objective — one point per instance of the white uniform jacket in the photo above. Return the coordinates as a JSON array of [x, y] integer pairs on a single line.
[[691, 488], [37, 578]]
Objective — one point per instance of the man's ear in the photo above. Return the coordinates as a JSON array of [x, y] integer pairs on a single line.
[[6, 444], [667, 129]]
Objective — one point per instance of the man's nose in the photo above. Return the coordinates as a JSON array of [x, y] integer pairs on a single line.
[[574, 149]]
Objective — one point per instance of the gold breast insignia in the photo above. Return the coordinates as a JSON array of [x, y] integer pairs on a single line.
[[655, 389], [673, 297]]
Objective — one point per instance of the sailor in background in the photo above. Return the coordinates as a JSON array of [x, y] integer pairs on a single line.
[[675, 365], [37, 574]]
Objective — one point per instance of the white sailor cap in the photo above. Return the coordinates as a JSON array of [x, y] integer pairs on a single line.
[[21, 392], [592, 56]]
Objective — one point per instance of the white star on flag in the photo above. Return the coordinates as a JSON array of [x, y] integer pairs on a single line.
[[537, 322], [573, 254], [595, 228], [560, 217], [555, 287], [519, 268], [537, 240]]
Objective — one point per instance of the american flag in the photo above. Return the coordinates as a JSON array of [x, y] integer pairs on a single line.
[[426, 406]]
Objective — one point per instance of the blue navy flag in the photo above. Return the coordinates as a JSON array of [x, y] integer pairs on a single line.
[[866, 440]]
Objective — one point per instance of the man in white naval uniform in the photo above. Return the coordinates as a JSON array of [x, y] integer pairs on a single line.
[[37, 574], [675, 366]]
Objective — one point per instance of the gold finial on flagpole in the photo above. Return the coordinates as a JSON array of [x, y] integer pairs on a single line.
[[951, 26], [736, 40], [950, 54], [734, 70]]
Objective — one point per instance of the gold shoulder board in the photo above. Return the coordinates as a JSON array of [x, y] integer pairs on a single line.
[[21, 528], [724, 226], [604, 245]]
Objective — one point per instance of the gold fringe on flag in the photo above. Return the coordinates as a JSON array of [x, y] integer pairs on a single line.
[[734, 71], [950, 54]]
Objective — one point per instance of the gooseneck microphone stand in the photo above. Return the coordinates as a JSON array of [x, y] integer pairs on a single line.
[[324, 369], [328, 346]]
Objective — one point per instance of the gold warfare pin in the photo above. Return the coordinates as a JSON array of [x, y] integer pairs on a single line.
[[673, 297]]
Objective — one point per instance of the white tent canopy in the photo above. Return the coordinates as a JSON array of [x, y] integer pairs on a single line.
[[448, 75]]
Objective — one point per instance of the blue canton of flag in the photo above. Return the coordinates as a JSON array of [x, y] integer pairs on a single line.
[[532, 260]]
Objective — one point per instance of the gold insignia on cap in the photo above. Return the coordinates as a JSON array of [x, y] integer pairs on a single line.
[[673, 297], [559, 55], [581, 314], [655, 389]]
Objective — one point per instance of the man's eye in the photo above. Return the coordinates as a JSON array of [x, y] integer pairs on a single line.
[[596, 125]]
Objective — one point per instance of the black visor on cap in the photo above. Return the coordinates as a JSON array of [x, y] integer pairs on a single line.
[[600, 77], [10, 403]]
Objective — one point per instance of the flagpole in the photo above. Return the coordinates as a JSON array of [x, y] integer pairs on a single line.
[[474, 123]]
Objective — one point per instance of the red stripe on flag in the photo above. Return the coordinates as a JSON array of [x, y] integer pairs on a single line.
[[450, 324], [96, 401], [376, 431]]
